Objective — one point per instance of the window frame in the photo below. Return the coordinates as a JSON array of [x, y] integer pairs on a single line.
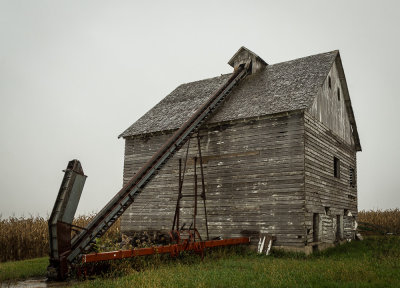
[[352, 177]]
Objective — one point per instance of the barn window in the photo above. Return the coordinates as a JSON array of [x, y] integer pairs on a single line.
[[329, 82], [351, 197], [336, 167], [352, 177], [338, 94]]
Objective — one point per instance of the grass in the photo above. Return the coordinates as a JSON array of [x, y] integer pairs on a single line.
[[374, 262], [24, 269]]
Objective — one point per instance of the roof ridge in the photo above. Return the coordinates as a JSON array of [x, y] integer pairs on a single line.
[[305, 57], [296, 59]]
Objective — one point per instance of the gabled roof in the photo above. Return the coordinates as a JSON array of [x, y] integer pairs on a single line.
[[240, 51], [286, 86]]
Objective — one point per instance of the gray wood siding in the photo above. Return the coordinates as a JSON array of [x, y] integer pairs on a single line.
[[331, 111], [254, 174], [322, 189]]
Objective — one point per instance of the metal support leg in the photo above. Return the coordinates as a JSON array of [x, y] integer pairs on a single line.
[[203, 187], [195, 197], [177, 209]]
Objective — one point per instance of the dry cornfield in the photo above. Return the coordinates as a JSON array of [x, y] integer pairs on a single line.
[[383, 221], [25, 238]]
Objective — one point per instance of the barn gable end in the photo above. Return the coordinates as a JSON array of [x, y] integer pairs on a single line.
[[332, 106]]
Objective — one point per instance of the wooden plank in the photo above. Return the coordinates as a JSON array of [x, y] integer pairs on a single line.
[[254, 174]]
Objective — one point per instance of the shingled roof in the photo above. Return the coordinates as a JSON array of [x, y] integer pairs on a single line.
[[281, 87]]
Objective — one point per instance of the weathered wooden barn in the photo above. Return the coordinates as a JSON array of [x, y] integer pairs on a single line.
[[279, 155]]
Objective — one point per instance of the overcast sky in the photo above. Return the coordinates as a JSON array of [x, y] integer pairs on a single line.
[[75, 74]]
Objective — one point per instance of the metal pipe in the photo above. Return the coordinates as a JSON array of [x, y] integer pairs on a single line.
[[174, 249], [195, 196], [176, 216]]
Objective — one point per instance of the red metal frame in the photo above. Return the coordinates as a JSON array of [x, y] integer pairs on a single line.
[[173, 249]]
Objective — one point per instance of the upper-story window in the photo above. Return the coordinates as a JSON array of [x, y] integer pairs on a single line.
[[352, 177], [336, 167], [329, 82], [338, 94]]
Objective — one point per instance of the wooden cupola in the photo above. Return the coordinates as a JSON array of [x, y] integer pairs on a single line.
[[243, 56]]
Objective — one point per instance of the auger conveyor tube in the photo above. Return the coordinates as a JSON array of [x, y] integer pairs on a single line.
[[121, 201]]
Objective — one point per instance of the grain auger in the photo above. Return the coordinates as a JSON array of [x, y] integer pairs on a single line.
[[66, 252]]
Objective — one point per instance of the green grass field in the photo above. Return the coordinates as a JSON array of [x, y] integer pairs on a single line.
[[23, 269], [374, 262]]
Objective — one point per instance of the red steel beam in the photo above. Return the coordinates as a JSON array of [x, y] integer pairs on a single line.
[[173, 249]]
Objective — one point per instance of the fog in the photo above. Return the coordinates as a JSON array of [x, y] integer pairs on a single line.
[[75, 74]]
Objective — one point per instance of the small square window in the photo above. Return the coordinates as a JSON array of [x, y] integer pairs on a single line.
[[336, 167]]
